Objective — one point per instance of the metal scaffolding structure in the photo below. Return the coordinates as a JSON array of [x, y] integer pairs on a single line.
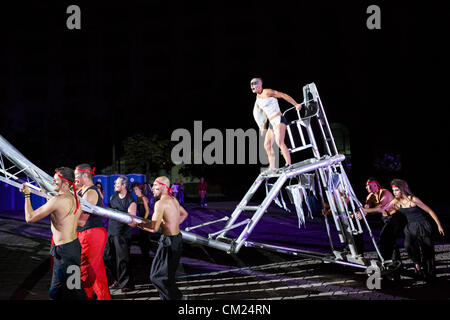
[[323, 174]]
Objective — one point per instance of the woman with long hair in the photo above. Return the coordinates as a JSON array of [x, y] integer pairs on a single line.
[[99, 186], [418, 231], [143, 211]]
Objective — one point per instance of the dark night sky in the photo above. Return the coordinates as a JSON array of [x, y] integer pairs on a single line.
[[153, 66]]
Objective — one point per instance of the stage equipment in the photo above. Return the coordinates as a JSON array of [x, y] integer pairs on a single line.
[[321, 175]]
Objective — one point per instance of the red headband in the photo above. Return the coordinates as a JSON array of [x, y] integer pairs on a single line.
[[84, 170], [74, 192], [163, 184], [373, 181]]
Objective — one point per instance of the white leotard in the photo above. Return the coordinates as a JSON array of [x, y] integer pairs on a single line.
[[265, 108], [269, 106]]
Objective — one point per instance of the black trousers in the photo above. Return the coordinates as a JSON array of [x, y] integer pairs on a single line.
[[144, 244], [164, 267], [392, 229], [117, 259], [420, 246], [66, 264]]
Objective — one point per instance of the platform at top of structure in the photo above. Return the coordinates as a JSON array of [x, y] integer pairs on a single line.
[[277, 172]]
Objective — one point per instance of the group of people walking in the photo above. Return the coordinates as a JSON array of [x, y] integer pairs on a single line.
[[103, 256]]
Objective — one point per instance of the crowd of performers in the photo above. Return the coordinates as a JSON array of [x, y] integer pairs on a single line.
[[103, 256]]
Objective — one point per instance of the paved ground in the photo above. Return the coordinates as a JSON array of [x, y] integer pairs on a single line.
[[209, 274]]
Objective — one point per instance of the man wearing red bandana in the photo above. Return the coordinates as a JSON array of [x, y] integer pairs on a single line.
[[92, 235], [168, 215], [64, 214], [393, 222]]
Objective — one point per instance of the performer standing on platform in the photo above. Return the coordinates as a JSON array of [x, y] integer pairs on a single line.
[[64, 214], [393, 222], [168, 215], [117, 250], [418, 232], [92, 235], [269, 118]]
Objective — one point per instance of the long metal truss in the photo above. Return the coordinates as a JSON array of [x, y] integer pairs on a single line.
[[15, 170]]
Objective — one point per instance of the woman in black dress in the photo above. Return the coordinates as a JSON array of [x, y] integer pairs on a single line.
[[143, 212], [418, 231]]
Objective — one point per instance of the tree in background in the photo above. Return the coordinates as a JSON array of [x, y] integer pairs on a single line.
[[146, 155]]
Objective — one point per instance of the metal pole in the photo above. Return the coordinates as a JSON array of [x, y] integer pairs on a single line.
[[206, 223]]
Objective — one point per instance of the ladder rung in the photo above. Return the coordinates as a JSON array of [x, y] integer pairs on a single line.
[[272, 174], [301, 148], [250, 208]]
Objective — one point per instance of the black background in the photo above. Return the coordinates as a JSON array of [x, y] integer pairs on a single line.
[[66, 96]]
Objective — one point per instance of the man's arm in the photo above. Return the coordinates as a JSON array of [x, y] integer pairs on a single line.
[[370, 201], [183, 214], [132, 211], [157, 217], [147, 210], [385, 199], [40, 213], [92, 197], [259, 116], [428, 210], [390, 206], [156, 221], [288, 98]]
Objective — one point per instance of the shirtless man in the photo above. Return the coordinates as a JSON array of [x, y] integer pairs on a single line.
[[267, 112], [168, 215], [64, 214], [393, 223]]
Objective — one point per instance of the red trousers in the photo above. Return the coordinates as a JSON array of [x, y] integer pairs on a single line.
[[93, 273]]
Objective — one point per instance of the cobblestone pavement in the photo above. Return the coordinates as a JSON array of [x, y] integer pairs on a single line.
[[209, 274], [24, 258], [302, 279]]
